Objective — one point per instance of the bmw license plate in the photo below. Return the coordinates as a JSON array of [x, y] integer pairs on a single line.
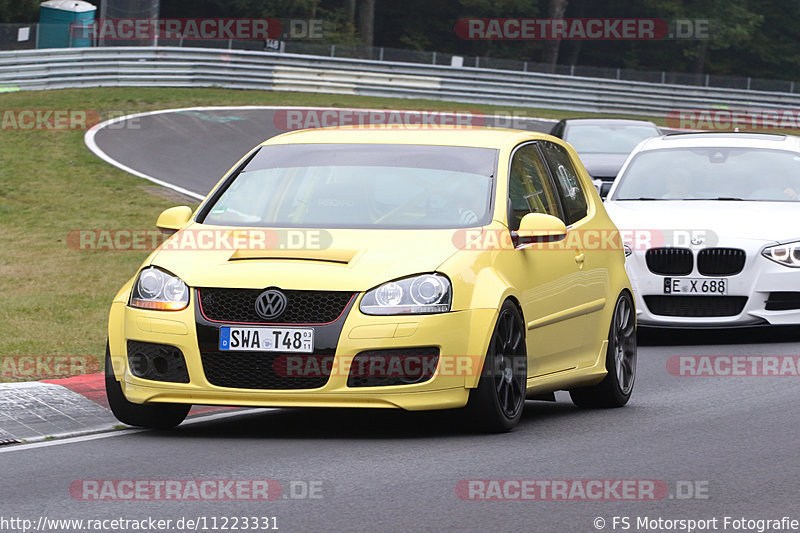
[[695, 286], [299, 340]]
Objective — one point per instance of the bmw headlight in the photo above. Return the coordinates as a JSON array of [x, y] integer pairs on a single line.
[[428, 293], [156, 289], [785, 254]]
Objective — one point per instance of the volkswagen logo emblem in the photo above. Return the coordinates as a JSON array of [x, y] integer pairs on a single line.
[[270, 304]]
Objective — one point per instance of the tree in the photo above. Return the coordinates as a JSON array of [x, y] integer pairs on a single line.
[[366, 22], [551, 46]]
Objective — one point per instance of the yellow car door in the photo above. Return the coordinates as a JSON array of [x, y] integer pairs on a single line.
[[548, 274]]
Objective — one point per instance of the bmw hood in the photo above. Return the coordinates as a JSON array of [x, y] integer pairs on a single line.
[[722, 221], [313, 259]]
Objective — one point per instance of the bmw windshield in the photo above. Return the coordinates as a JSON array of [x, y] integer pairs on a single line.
[[358, 186], [711, 174]]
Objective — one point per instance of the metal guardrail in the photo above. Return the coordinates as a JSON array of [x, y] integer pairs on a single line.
[[201, 67]]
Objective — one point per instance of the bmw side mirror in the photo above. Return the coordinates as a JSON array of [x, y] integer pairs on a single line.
[[538, 228], [174, 219]]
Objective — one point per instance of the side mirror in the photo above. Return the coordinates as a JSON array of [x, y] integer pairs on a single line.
[[539, 227], [605, 187], [174, 219]]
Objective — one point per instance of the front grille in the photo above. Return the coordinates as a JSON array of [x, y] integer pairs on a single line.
[[158, 362], [260, 370], [695, 306], [396, 366], [669, 261], [720, 261], [783, 301], [302, 307]]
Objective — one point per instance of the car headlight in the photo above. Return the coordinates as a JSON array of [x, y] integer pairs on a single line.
[[156, 289], [428, 293], [785, 254]]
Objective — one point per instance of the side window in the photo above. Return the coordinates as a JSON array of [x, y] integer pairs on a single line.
[[573, 196], [529, 187]]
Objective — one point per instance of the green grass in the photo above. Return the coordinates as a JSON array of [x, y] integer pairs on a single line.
[[54, 300]]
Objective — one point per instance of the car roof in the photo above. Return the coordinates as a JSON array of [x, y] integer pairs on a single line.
[[610, 121], [722, 140], [398, 134]]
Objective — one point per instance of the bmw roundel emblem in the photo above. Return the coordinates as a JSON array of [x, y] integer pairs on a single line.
[[270, 304]]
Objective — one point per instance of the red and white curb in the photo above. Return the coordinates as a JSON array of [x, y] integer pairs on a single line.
[[60, 408]]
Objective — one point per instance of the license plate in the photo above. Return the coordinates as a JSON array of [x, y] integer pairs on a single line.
[[695, 286], [298, 340]]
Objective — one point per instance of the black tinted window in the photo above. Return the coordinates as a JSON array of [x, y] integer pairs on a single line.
[[529, 187], [573, 197]]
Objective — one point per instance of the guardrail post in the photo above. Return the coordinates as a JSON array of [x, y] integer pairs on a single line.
[[618, 73], [748, 83], [707, 77], [333, 50], [791, 86], [524, 66], [663, 77], [230, 44], [433, 62], [477, 62], [572, 70], [380, 54]]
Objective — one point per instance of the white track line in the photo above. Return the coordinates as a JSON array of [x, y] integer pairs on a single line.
[[89, 137]]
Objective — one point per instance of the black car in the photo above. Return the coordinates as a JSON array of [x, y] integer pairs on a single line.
[[603, 144]]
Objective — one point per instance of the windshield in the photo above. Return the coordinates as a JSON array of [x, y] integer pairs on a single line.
[[607, 139], [711, 174], [359, 186]]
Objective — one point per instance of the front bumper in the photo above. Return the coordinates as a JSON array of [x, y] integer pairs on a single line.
[[462, 338], [759, 278]]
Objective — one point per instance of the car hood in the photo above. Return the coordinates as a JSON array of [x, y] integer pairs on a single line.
[[727, 221], [344, 259], [603, 165]]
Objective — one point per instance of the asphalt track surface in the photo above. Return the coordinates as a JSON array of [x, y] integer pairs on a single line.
[[193, 148], [733, 438]]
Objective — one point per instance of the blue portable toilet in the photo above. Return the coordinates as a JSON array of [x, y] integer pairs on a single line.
[[61, 23]]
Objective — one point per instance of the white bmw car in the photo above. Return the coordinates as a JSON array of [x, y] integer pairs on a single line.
[[711, 227]]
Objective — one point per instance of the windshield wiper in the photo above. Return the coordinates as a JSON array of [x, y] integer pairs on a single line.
[[719, 198], [642, 198]]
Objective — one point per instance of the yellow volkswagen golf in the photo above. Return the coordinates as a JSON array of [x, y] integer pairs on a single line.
[[430, 268]]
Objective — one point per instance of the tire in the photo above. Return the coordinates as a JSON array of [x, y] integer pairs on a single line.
[[152, 415], [616, 388], [496, 405]]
